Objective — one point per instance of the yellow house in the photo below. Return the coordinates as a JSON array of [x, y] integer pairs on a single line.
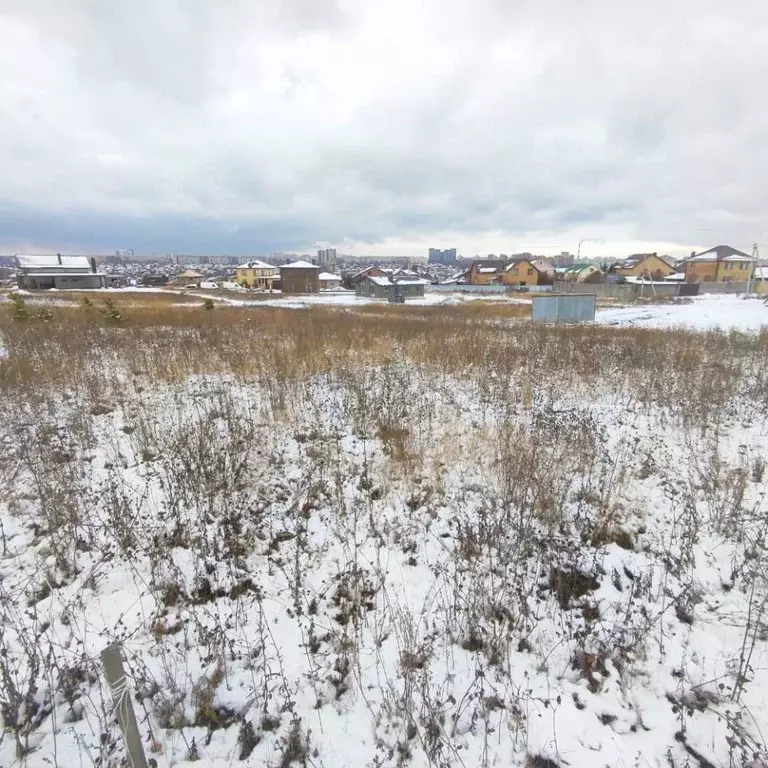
[[647, 265], [721, 264], [256, 274], [521, 272]]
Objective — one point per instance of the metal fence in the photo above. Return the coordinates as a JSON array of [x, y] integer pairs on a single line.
[[560, 308], [649, 290], [492, 289]]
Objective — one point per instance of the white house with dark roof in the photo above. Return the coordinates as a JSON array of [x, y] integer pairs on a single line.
[[44, 272]]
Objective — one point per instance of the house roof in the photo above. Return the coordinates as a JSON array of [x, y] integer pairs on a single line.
[[397, 281], [485, 263], [720, 253], [255, 265], [189, 273], [579, 267], [516, 262], [761, 273], [52, 261], [327, 276], [637, 258], [487, 270], [299, 265]]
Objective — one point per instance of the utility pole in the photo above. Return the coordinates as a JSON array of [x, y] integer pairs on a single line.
[[754, 267]]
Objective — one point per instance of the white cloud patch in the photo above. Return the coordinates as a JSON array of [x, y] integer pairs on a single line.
[[382, 124]]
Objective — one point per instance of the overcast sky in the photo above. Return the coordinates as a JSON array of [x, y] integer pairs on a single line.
[[382, 126]]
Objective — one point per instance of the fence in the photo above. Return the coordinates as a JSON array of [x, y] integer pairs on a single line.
[[608, 290], [740, 287], [655, 289], [490, 289]]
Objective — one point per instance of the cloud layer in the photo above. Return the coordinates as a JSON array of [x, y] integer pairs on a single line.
[[381, 125]]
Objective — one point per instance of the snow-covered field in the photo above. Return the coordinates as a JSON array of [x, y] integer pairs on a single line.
[[349, 299], [462, 547], [701, 313]]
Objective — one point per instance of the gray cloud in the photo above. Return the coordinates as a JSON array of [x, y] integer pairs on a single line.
[[244, 127]]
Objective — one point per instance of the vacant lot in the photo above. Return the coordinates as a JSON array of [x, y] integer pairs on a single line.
[[377, 537]]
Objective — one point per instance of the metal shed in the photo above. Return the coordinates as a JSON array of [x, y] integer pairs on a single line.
[[564, 308]]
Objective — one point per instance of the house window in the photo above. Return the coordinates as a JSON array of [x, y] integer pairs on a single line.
[[530, 270], [513, 270]]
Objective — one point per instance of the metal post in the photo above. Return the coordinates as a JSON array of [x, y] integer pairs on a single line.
[[114, 671], [754, 268]]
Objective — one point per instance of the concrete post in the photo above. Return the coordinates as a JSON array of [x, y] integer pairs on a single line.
[[114, 671]]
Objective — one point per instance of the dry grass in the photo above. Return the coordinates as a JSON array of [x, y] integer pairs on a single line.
[[126, 298], [519, 539], [156, 341]]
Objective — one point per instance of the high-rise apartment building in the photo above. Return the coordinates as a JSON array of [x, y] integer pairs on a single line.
[[326, 259], [447, 256]]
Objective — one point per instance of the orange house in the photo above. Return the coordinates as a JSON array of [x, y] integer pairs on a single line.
[[647, 265], [521, 272]]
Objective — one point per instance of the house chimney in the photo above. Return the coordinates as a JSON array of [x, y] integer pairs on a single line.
[[58, 256], [93, 264]]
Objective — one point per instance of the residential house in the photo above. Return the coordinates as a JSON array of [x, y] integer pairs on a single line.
[[721, 264], [188, 278], [389, 287], [649, 266], [582, 272], [60, 272], [257, 274], [522, 273], [460, 278], [329, 282], [368, 272], [485, 271], [300, 277], [546, 267]]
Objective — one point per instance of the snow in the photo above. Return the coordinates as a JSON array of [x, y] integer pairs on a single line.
[[256, 265], [702, 313], [328, 277], [265, 528], [299, 265], [51, 261], [383, 579]]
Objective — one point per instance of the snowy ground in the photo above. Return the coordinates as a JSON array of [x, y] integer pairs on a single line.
[[349, 299], [388, 563], [702, 313], [306, 588]]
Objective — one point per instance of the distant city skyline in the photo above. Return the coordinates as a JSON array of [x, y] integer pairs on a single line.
[[400, 250]]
